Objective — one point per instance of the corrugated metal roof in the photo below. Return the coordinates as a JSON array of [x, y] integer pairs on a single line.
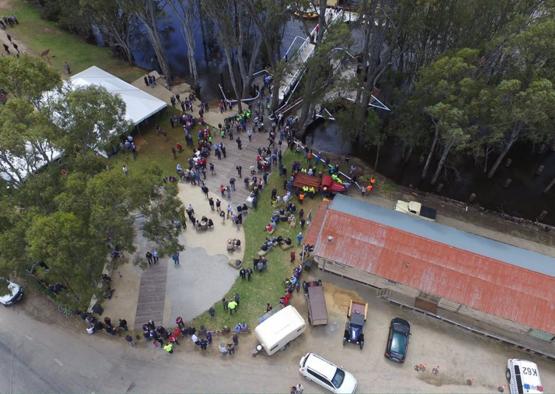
[[445, 234], [440, 268]]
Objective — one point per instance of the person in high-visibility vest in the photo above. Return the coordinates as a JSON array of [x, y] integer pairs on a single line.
[[301, 197], [168, 347], [372, 180], [231, 305], [369, 188]]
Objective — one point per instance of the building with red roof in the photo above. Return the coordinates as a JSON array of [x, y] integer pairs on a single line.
[[436, 267]]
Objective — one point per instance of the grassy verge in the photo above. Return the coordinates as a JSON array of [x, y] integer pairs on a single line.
[[265, 287], [39, 35], [155, 149]]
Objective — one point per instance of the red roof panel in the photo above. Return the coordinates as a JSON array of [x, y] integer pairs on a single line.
[[480, 282]]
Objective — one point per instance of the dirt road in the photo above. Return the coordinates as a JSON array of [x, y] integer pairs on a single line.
[[40, 353]]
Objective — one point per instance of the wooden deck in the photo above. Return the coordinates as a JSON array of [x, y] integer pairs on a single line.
[[152, 294]]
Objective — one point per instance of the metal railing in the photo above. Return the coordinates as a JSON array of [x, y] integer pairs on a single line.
[[245, 100], [474, 330]]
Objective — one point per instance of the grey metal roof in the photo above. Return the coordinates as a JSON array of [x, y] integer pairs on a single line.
[[447, 235]]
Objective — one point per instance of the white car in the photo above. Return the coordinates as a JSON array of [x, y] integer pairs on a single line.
[[10, 292], [327, 374], [523, 377]]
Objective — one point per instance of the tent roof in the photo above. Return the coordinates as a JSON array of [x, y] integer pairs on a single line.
[[139, 105]]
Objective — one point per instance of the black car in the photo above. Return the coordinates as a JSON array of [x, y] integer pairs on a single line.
[[354, 330], [398, 340]]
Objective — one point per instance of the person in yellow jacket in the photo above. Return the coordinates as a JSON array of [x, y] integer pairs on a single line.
[[168, 347], [232, 305]]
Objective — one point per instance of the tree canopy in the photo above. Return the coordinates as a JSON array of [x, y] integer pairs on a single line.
[[75, 212]]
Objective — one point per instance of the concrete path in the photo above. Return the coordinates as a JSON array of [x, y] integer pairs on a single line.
[[196, 284], [203, 276], [226, 168]]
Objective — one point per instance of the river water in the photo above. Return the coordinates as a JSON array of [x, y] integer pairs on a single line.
[[523, 198], [210, 59]]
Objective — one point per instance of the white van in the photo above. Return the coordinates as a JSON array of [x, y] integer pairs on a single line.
[[523, 377], [279, 329]]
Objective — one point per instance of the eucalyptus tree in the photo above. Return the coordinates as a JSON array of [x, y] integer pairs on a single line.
[[270, 18], [114, 19], [148, 12], [240, 40], [186, 13]]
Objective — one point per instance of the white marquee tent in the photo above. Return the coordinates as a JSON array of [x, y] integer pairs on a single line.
[[139, 106]]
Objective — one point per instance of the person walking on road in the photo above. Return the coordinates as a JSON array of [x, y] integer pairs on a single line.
[[175, 258], [155, 256], [148, 256], [239, 170]]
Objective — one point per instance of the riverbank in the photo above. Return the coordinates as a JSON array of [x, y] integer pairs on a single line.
[[57, 46], [519, 232]]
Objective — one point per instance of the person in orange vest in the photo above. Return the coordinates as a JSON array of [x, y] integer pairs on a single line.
[[301, 197], [369, 188], [372, 180]]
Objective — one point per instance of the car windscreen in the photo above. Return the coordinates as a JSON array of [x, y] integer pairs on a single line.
[[338, 378], [398, 342]]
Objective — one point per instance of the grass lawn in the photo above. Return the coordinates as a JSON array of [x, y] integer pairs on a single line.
[[39, 35], [267, 286], [263, 287], [156, 149]]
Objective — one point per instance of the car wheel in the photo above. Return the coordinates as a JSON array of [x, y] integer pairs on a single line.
[[508, 374]]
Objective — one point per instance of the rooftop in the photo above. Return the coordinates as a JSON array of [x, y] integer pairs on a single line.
[[486, 275]]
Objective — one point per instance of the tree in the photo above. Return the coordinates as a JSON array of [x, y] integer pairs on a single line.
[[270, 17], [449, 81], [518, 112], [451, 125], [24, 136], [186, 14], [86, 118], [147, 12], [27, 77], [76, 210], [115, 21], [160, 224], [318, 69], [219, 12], [61, 240]]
